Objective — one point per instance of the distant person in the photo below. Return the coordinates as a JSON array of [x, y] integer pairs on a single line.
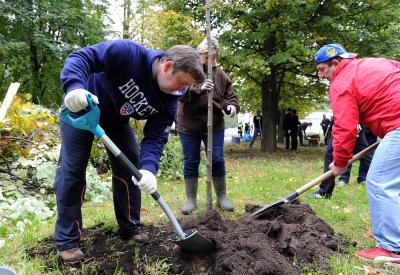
[[325, 124], [327, 186], [370, 136], [302, 131], [191, 124], [240, 129], [246, 135], [247, 128], [257, 124], [294, 122], [365, 162], [287, 127]]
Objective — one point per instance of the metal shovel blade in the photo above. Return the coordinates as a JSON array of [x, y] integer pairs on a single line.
[[193, 242], [262, 211]]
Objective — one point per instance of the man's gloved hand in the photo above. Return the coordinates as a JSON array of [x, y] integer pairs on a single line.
[[148, 182], [288, 131], [232, 110], [337, 170], [76, 100], [208, 85]]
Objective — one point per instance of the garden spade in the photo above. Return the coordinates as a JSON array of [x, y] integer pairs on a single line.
[[259, 213], [189, 240]]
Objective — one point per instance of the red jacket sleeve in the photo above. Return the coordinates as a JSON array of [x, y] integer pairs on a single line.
[[395, 63], [345, 111]]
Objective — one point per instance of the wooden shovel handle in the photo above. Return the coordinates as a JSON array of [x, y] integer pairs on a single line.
[[329, 173]]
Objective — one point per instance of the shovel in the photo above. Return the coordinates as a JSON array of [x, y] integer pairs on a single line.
[[188, 240], [259, 213]]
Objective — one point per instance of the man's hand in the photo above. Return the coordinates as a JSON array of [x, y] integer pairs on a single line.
[[288, 131], [208, 85], [76, 100], [337, 170], [232, 110], [148, 182]]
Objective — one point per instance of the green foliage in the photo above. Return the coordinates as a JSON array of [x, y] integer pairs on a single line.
[[30, 149], [171, 160], [268, 46], [161, 29], [99, 157], [285, 34], [27, 124], [36, 36]]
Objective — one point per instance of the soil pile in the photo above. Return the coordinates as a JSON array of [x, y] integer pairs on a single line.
[[288, 240]]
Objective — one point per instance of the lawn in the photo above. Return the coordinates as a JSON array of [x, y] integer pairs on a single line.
[[253, 178]]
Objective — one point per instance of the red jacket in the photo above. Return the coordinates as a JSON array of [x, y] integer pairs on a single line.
[[364, 91]]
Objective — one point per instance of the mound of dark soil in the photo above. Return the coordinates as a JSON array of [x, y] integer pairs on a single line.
[[290, 239]]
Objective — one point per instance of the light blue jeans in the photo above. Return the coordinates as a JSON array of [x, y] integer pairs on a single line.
[[383, 186]]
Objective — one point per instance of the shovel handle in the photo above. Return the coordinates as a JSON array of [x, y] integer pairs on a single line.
[[329, 173], [123, 159], [312, 183]]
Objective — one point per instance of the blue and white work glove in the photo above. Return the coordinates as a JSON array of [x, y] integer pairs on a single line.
[[76, 100], [208, 85], [232, 110], [148, 182]]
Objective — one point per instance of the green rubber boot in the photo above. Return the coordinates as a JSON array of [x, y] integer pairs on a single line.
[[191, 194], [220, 190]]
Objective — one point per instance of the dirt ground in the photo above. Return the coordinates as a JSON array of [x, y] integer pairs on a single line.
[[289, 240]]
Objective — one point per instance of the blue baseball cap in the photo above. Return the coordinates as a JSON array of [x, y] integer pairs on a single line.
[[330, 51]]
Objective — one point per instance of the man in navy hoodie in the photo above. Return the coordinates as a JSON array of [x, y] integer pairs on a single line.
[[126, 80]]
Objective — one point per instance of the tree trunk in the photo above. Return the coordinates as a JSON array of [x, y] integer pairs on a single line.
[[3, 73], [281, 134], [270, 100], [127, 18]]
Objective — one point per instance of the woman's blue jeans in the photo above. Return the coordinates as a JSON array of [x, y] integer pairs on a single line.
[[191, 154], [383, 186]]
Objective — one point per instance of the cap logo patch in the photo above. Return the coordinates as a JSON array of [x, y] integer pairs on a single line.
[[331, 52]]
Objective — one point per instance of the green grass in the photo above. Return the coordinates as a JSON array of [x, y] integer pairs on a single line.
[[256, 178]]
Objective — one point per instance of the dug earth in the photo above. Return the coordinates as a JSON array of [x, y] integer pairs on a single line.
[[289, 239]]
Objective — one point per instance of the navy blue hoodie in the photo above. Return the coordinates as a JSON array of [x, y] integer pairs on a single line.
[[120, 74]]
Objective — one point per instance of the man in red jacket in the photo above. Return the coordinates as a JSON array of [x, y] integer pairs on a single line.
[[367, 91]]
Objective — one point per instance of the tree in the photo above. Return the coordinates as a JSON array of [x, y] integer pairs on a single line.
[[38, 35], [271, 44]]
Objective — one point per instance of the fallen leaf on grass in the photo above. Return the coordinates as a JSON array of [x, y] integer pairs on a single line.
[[347, 210], [144, 210], [369, 234], [369, 270]]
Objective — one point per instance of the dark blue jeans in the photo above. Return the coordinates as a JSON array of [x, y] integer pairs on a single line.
[[365, 162], [326, 187], [70, 183], [191, 154]]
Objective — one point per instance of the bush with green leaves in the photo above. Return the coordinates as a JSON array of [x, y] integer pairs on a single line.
[[30, 149], [171, 160]]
